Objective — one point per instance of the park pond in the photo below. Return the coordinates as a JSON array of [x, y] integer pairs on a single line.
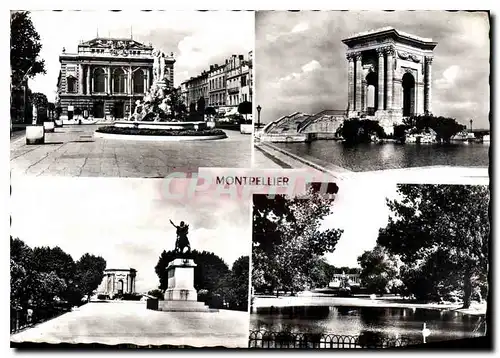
[[372, 322], [371, 156]]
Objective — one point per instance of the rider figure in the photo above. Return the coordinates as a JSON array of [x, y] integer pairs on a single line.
[[182, 240]]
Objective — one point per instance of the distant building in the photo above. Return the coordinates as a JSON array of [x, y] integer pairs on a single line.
[[117, 282], [217, 86], [224, 86], [106, 76]]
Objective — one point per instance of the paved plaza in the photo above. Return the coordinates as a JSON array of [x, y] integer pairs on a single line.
[[73, 151], [115, 322]]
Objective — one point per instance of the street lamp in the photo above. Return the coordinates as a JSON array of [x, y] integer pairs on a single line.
[[470, 125], [258, 115]]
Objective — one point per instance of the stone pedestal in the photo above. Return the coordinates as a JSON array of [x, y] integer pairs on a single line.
[[35, 134], [181, 296], [48, 126]]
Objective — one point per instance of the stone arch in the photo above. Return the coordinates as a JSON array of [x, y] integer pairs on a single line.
[[99, 77], [138, 78], [120, 286], [408, 83], [119, 81], [371, 92]]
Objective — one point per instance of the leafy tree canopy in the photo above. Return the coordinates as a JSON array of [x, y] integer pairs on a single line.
[[447, 221], [25, 48], [287, 239]]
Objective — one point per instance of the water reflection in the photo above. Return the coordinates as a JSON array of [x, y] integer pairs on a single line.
[[371, 156], [372, 324]]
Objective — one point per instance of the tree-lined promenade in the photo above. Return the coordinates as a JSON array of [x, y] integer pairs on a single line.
[[45, 282], [433, 252]]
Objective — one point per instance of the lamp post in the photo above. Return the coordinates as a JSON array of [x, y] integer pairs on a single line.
[[258, 115], [470, 125]]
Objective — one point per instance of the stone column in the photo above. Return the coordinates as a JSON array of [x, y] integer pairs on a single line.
[[129, 80], [107, 88], [381, 79], [145, 81], [128, 284], [111, 83], [428, 85], [88, 79], [364, 98], [350, 82], [390, 78], [148, 83], [359, 86], [80, 79]]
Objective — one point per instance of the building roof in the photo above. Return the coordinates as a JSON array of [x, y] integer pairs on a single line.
[[388, 32], [115, 42]]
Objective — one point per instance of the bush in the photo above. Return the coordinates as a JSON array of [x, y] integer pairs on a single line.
[[160, 132], [360, 131]]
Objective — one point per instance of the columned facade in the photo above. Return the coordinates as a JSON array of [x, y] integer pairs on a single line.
[[117, 282], [106, 77], [402, 64]]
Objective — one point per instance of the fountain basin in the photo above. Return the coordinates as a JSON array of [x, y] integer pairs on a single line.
[[156, 133], [161, 125]]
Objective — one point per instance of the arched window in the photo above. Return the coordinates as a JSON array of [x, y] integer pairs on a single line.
[[99, 80], [139, 81], [71, 84], [119, 81]]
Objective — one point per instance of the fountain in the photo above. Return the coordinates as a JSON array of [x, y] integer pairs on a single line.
[[153, 118]]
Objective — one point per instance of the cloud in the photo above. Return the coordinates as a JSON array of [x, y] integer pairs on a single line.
[[300, 27], [194, 37], [449, 76], [460, 67], [124, 221], [311, 66]]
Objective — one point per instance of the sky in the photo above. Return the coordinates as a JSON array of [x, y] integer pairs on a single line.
[[126, 221], [194, 37], [360, 209], [301, 64]]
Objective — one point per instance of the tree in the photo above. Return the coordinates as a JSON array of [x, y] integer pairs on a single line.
[[234, 287], [287, 239], [200, 106], [89, 273], [21, 260], [321, 273], [156, 293], [444, 127], [379, 271], [245, 108], [443, 231], [176, 103], [209, 269], [25, 48], [360, 131], [210, 111]]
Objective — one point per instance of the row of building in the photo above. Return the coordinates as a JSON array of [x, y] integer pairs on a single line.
[[223, 87], [106, 76]]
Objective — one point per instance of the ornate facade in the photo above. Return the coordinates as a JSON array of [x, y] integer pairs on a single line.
[[223, 86], [106, 76], [117, 282], [389, 75]]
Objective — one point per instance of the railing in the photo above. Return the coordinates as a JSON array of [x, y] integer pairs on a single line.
[[280, 340]]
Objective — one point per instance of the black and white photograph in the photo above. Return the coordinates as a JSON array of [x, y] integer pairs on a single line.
[[130, 93], [366, 91], [378, 266], [125, 264]]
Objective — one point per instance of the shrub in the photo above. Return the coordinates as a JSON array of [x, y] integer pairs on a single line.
[[160, 132]]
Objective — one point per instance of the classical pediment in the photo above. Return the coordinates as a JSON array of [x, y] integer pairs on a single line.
[[126, 44]]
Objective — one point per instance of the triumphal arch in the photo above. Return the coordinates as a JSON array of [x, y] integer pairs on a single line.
[[389, 75]]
